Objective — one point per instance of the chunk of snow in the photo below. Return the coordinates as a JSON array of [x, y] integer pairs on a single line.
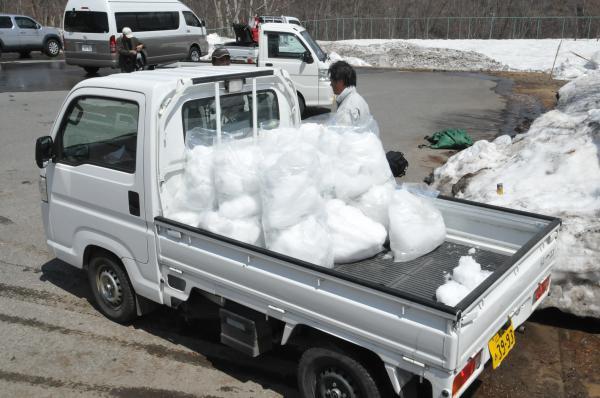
[[465, 278]]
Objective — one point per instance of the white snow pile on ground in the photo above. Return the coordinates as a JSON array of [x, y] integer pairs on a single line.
[[316, 193], [472, 55], [552, 169], [402, 54], [464, 279]]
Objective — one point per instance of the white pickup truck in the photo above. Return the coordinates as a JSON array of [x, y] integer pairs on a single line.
[[365, 328], [291, 48]]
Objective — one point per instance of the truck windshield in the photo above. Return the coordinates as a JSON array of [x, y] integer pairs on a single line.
[[315, 47], [199, 116], [86, 22]]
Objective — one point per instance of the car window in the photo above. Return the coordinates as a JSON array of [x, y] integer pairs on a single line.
[[5, 23], [86, 22], [25, 23], [190, 19], [199, 116], [100, 131], [284, 45], [147, 21]]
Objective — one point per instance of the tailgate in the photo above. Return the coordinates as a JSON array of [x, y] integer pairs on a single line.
[[507, 294]]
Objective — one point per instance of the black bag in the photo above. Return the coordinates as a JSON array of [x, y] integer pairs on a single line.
[[398, 163]]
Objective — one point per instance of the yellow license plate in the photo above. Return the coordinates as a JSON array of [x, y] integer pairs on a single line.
[[501, 344]]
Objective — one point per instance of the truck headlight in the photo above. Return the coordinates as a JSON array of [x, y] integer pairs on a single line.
[[324, 75]]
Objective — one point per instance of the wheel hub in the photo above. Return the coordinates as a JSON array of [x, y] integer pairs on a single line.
[[333, 383], [53, 47], [109, 287]]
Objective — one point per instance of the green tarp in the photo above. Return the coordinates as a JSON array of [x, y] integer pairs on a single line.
[[450, 139]]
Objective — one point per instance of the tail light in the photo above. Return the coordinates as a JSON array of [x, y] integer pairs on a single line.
[[466, 373], [541, 289], [250, 61], [113, 44]]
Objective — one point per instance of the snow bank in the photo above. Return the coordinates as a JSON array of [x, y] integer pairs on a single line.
[[552, 169], [416, 226], [471, 55], [464, 279]]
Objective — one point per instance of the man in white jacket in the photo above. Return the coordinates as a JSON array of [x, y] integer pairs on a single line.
[[352, 109]]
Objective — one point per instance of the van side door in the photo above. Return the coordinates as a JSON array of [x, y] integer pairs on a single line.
[[95, 181], [286, 51]]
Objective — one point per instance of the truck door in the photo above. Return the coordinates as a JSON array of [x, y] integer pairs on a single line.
[[29, 34], [286, 51], [95, 182]]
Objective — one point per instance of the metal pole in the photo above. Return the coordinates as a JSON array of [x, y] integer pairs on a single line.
[[371, 19], [562, 34], [343, 29], [448, 29], [390, 27], [427, 29], [407, 28], [218, 113], [538, 29], [327, 29], [459, 27], [491, 27], [589, 26], [337, 29], [469, 35], [354, 24], [514, 28], [254, 111]]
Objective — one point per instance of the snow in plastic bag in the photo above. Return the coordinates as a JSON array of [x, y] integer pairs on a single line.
[[236, 169], [375, 202], [197, 191], [355, 236], [247, 230], [416, 226]]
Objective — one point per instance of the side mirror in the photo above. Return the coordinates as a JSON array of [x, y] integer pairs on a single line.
[[43, 151], [307, 57], [202, 23], [38, 26]]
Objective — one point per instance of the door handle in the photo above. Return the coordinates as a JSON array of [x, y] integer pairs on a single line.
[[268, 64], [134, 203]]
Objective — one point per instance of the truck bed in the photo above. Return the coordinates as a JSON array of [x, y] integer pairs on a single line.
[[422, 276]]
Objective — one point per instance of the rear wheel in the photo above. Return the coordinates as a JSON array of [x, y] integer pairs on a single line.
[[324, 373], [111, 288], [195, 54], [52, 47], [91, 70]]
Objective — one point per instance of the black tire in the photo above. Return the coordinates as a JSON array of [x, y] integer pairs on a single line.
[[324, 373], [91, 70], [194, 54], [24, 54], [302, 105], [52, 48], [112, 290]]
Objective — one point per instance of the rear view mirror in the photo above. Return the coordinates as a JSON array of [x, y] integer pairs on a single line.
[[43, 151], [307, 57], [202, 23]]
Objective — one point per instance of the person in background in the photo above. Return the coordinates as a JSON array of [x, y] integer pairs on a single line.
[[221, 57], [352, 109], [131, 52]]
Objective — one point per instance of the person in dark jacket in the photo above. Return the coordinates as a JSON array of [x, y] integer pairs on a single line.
[[131, 52]]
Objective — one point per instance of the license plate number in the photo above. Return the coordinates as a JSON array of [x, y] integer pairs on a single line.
[[501, 344], [86, 47]]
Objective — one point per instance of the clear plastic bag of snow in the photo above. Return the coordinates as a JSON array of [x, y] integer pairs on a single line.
[[416, 226], [247, 230], [465, 278], [236, 169], [308, 240], [355, 236]]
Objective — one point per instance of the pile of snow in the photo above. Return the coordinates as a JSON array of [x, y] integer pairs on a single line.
[[472, 55], [317, 193], [464, 279], [552, 169], [416, 226]]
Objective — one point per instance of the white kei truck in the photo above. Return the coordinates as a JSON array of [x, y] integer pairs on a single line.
[[292, 48], [366, 329]]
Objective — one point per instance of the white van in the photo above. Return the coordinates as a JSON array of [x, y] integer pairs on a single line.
[[169, 30]]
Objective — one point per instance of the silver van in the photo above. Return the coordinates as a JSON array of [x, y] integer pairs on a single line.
[[22, 34], [169, 30]]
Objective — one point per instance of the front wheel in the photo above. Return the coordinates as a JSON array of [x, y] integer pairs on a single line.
[[111, 288], [194, 54], [52, 48], [323, 373]]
